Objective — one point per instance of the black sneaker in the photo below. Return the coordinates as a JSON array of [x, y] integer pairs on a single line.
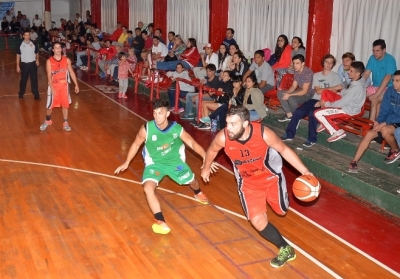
[[204, 126], [21, 96], [38, 98], [308, 143], [284, 119], [285, 138], [286, 254], [195, 123]]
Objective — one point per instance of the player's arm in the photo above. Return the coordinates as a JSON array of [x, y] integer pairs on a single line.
[[217, 144], [189, 141], [18, 60], [140, 138], [287, 153], [49, 76], [73, 76]]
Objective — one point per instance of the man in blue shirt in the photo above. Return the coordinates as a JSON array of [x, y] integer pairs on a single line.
[[382, 65], [229, 40], [387, 123]]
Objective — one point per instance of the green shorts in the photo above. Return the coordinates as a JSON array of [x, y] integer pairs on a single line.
[[181, 173]]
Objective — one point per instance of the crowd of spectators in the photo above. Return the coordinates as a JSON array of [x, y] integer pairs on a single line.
[[324, 97]]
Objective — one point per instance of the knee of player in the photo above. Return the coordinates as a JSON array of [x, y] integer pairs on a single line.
[[259, 222]]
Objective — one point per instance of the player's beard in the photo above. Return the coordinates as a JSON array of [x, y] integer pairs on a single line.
[[238, 135]]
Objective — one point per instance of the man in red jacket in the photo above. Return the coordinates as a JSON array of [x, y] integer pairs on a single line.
[[115, 35]]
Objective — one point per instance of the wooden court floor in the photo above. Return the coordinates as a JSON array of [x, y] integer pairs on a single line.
[[63, 214]]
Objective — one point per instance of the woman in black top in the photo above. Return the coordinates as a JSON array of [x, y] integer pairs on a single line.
[[4, 25]]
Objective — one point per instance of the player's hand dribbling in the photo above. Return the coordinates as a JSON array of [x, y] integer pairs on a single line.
[[121, 168], [205, 174]]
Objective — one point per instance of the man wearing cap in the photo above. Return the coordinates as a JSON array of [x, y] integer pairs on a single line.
[[208, 58]]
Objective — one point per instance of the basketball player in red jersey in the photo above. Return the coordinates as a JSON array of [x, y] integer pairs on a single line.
[[253, 150], [59, 71]]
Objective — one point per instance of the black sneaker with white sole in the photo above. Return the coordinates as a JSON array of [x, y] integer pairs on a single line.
[[204, 126], [284, 119], [285, 138]]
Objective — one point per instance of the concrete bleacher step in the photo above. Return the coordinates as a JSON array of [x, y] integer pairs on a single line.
[[372, 184]]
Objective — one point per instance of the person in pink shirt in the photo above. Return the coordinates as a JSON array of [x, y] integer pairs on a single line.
[[124, 68]]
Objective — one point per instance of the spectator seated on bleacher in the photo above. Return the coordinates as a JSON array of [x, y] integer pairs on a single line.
[[130, 38], [124, 35], [34, 36], [110, 64], [263, 72], [324, 80], [148, 45], [106, 54], [283, 53], [236, 99], [37, 22], [217, 101], [177, 49], [229, 40], [224, 59], [347, 59], [387, 123], [9, 16], [301, 90], [138, 43], [253, 99], [348, 103], [79, 28], [4, 25], [158, 53], [382, 65], [239, 65], [82, 58], [171, 40], [15, 25], [211, 81], [188, 58], [209, 57], [25, 23], [297, 48], [158, 33], [184, 87]]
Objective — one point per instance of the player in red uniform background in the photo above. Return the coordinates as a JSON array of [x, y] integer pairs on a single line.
[[59, 71], [253, 150]]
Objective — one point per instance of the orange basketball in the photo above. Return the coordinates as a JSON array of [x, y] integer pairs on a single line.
[[306, 188]]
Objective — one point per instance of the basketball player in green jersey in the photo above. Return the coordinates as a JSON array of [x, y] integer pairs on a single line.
[[164, 154]]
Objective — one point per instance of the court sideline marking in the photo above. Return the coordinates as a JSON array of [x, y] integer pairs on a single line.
[[308, 256], [291, 209]]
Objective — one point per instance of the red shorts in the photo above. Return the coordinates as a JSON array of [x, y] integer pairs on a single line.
[[60, 98], [254, 198]]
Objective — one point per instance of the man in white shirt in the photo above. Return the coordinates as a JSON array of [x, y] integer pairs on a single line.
[[37, 22], [211, 58], [159, 51], [9, 16]]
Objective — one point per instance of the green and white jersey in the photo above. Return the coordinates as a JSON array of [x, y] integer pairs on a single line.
[[163, 146]]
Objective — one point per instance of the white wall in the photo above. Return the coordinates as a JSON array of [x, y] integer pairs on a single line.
[[59, 9]]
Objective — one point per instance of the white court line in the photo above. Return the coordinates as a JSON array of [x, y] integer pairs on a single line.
[[308, 256], [294, 211]]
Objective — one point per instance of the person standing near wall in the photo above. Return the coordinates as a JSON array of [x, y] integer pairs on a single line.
[[27, 63]]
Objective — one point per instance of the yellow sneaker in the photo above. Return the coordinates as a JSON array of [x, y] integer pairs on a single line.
[[202, 198], [160, 227]]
